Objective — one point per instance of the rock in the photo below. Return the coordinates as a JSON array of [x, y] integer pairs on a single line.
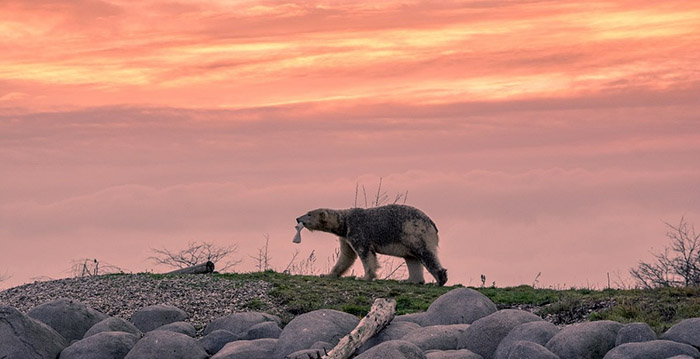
[[654, 349], [307, 354], [458, 306], [680, 357], [179, 327], [263, 330], [441, 337], [171, 345], [69, 318], [529, 350], [113, 324], [589, 340], [248, 349], [322, 345], [453, 354], [239, 323], [484, 335], [686, 331], [635, 332], [319, 325], [154, 316], [104, 345], [539, 332], [214, 341], [24, 337], [393, 349], [394, 331], [416, 318]]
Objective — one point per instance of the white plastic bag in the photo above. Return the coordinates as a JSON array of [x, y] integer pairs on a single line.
[[297, 237]]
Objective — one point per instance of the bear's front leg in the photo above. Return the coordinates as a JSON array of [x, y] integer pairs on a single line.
[[346, 258]]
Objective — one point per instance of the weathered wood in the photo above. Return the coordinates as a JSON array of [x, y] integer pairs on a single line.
[[203, 268], [379, 316]]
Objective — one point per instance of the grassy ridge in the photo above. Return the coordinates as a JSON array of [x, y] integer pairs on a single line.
[[660, 308]]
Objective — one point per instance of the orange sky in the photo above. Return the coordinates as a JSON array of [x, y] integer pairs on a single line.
[[564, 130], [232, 54]]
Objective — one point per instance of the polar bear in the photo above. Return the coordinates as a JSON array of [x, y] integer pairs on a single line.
[[396, 230]]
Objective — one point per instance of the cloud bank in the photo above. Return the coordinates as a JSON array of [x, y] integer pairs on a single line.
[[541, 136]]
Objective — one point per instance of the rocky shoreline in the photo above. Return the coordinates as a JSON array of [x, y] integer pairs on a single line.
[[142, 316]]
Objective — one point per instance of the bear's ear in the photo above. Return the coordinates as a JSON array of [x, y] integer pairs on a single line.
[[323, 214]]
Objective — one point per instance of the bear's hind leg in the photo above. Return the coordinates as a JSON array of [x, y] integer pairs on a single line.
[[432, 264], [346, 258], [370, 263], [415, 270]]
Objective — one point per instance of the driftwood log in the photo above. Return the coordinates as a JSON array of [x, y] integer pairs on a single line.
[[379, 316], [203, 268]]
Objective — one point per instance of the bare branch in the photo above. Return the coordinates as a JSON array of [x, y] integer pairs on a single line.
[[263, 258], [365, 194], [291, 262], [379, 190], [304, 267], [196, 253], [85, 267], [677, 265], [392, 271], [357, 187]]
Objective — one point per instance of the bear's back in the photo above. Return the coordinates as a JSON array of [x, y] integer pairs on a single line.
[[386, 222]]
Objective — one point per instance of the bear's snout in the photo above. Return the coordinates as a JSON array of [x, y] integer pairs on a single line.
[[303, 218]]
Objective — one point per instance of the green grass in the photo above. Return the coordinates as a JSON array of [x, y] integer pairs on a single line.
[[293, 295], [301, 294]]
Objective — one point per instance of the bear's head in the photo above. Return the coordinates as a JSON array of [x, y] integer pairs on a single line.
[[326, 220]]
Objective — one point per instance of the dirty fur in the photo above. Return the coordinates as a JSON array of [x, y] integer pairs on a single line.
[[396, 230]]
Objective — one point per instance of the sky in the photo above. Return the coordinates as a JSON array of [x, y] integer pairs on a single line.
[[550, 141]]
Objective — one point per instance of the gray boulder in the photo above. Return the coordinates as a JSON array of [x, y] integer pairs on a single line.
[[214, 341], [635, 332], [307, 354], [589, 340], [529, 350], [104, 345], [154, 316], [317, 350], [394, 331], [113, 324], [322, 345], [24, 337], [239, 323], [458, 306], [319, 325], [179, 327], [394, 349], [441, 337], [68, 317], [539, 332], [247, 349], [654, 349], [171, 345], [263, 330], [680, 357], [416, 318], [484, 335], [452, 354], [686, 331]]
